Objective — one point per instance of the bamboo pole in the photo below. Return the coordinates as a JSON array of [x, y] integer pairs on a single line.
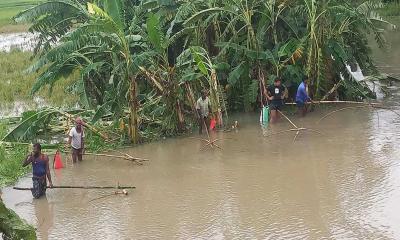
[[126, 157], [294, 125], [342, 102], [78, 187], [130, 158], [357, 107], [296, 129], [338, 110]]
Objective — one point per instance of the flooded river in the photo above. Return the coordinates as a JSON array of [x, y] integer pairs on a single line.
[[343, 184]]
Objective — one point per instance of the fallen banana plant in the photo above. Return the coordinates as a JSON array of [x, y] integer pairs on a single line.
[[35, 122]]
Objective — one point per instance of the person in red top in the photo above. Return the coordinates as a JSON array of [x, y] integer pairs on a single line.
[[40, 170]]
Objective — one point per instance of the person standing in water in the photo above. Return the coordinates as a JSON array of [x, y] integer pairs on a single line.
[[203, 109], [276, 93], [302, 97], [40, 170], [76, 140]]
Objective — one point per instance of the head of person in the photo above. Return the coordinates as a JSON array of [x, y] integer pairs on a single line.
[[277, 82], [306, 80], [78, 122], [204, 94], [37, 149]]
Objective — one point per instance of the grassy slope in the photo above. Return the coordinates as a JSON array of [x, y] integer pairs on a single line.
[[16, 85], [10, 162], [8, 9]]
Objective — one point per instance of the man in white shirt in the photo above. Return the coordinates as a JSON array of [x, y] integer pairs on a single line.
[[75, 140], [203, 109]]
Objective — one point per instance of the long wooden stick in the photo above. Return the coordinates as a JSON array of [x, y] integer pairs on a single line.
[[338, 110], [342, 102], [126, 157], [116, 156], [294, 125], [357, 107], [79, 187]]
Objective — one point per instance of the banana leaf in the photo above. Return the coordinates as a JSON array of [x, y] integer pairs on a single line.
[[31, 123]]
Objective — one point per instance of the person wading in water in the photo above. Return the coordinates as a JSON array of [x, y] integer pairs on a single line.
[[302, 98], [276, 94], [75, 140], [203, 109], [40, 170]]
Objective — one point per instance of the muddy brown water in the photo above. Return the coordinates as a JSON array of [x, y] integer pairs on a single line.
[[344, 184]]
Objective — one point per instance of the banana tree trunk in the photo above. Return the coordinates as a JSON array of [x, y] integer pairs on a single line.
[[192, 100], [133, 104], [181, 118], [215, 99], [263, 89]]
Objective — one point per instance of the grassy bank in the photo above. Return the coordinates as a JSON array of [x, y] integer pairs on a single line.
[[16, 84], [10, 162], [8, 9]]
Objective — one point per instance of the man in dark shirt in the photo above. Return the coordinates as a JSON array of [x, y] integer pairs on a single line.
[[276, 94]]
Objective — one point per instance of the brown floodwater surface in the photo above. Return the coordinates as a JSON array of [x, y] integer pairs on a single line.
[[343, 184]]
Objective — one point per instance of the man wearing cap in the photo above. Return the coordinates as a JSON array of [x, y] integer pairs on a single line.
[[75, 140]]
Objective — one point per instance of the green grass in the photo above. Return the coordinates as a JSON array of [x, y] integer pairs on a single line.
[[8, 9], [10, 161], [15, 84]]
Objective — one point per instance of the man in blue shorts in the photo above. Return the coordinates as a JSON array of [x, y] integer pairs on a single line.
[[302, 97]]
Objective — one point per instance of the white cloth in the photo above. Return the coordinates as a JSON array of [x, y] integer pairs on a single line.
[[202, 106], [76, 138]]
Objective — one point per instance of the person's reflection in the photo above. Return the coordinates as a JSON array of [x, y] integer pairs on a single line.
[[44, 215]]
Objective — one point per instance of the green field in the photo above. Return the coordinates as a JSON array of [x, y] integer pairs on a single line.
[[8, 9], [15, 84]]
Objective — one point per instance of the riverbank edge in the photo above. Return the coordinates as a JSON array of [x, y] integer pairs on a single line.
[[14, 227]]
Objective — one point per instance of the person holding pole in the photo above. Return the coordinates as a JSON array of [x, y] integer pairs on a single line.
[[76, 140], [203, 108], [40, 170], [302, 97], [276, 93]]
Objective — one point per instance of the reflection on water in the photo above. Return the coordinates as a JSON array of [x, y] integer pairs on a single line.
[[23, 41]]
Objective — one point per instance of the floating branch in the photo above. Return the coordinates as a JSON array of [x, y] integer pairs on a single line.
[[295, 129], [126, 157], [209, 142]]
